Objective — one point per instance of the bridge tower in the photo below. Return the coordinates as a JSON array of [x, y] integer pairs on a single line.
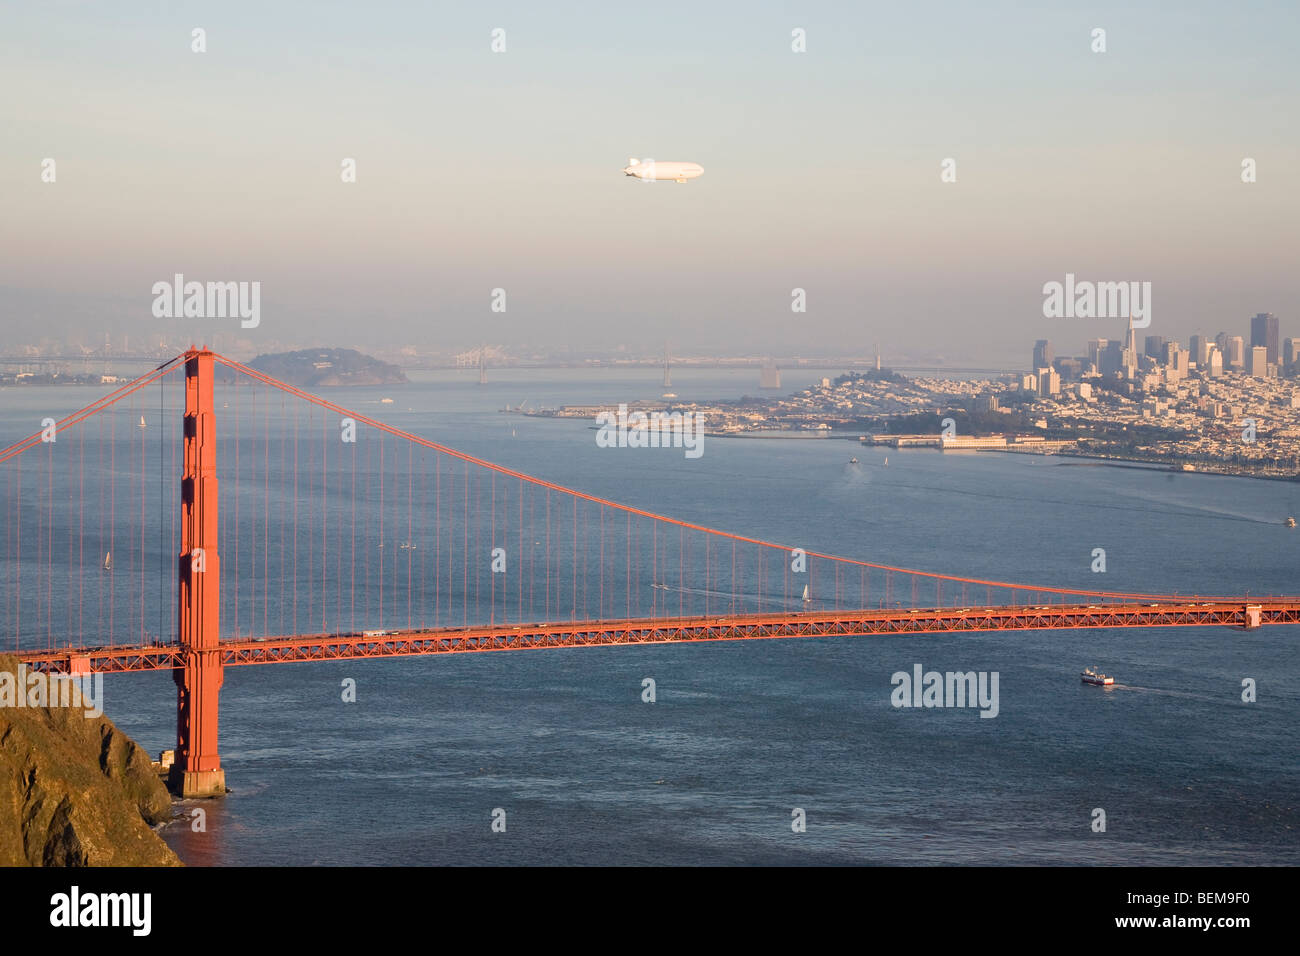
[[197, 771]]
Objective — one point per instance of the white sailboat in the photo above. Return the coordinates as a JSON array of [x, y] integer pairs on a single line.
[[108, 561], [806, 598], [142, 421]]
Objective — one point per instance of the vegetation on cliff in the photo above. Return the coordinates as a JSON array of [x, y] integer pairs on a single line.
[[75, 790]]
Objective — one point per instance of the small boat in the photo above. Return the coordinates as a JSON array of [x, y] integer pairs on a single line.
[[806, 598], [406, 546], [142, 425], [1289, 522], [108, 561], [853, 461], [1090, 676], [886, 461], [385, 401]]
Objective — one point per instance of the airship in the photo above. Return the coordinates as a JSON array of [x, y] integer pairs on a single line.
[[654, 170]]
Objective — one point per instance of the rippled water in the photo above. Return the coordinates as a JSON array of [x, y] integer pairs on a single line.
[[742, 733]]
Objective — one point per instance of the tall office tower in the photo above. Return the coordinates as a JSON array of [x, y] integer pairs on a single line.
[[1154, 346], [1290, 348], [1071, 369], [1049, 382], [1216, 362], [1235, 351], [1182, 362], [1258, 362], [1043, 354], [1200, 348], [1111, 359], [1095, 349], [1175, 360], [1263, 332]]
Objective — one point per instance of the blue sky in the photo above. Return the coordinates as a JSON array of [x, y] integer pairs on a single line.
[[479, 170]]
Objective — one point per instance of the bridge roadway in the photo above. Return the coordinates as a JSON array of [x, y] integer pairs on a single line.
[[1239, 613]]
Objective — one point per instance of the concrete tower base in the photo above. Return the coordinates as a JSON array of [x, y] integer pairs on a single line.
[[199, 783]]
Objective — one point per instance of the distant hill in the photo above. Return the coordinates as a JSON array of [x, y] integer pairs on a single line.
[[323, 368]]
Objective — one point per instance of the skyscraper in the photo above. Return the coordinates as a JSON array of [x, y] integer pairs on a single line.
[[1111, 359], [1258, 362], [1095, 349], [1290, 348], [1043, 354], [1154, 346], [1200, 348], [1263, 332], [1235, 352]]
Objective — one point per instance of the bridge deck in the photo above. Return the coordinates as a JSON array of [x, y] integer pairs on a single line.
[[507, 637]]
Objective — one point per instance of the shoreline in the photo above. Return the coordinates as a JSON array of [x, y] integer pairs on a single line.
[[1167, 465]]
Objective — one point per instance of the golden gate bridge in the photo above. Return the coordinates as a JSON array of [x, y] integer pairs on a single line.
[[341, 537]]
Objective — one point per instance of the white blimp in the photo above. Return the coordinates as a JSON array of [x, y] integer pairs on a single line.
[[655, 170]]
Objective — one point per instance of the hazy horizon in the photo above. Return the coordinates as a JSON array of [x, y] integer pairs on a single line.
[[479, 170]]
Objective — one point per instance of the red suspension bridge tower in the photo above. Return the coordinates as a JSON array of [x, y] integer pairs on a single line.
[[197, 771]]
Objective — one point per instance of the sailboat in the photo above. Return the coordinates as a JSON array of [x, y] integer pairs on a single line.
[[806, 598], [142, 421], [108, 561], [886, 461]]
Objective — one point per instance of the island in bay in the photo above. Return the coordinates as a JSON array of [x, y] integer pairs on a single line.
[[325, 368]]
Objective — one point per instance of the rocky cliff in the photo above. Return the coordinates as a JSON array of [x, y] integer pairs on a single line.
[[75, 790]]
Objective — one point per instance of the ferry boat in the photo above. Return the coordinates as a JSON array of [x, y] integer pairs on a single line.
[[1090, 676]]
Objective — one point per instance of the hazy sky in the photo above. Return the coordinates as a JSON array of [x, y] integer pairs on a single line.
[[478, 170]]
